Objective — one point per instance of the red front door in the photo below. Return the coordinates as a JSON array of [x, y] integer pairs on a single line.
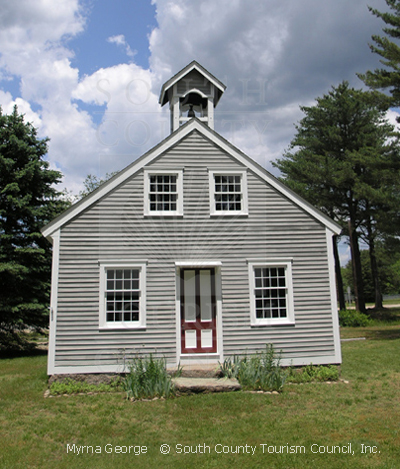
[[198, 311]]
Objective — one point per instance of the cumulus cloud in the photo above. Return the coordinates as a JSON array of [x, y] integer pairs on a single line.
[[8, 104], [35, 52], [273, 56], [119, 40]]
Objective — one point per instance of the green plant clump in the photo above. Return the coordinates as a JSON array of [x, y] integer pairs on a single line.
[[313, 373], [353, 318], [147, 378], [259, 372], [70, 386]]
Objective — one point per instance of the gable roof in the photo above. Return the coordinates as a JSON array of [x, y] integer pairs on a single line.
[[220, 87], [191, 126]]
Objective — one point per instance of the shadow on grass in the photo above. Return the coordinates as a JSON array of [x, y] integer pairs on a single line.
[[15, 344], [382, 333], [35, 352], [388, 315]]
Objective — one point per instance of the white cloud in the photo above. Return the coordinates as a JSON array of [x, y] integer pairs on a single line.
[[120, 40], [132, 120], [273, 56], [392, 116], [8, 103]]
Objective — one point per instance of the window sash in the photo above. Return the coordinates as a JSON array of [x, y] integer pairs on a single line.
[[163, 193], [228, 192], [270, 292], [122, 295]]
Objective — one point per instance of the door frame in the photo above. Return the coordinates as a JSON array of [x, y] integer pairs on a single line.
[[208, 357]]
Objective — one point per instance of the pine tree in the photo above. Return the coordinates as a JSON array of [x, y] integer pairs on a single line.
[[387, 78], [28, 200], [345, 160]]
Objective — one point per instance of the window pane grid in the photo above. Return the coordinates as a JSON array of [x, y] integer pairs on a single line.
[[228, 193], [163, 193], [270, 292], [122, 295]]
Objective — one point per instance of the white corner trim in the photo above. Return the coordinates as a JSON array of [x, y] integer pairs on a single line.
[[332, 282], [53, 301]]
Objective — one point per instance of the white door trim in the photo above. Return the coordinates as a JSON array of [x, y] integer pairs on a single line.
[[200, 358]]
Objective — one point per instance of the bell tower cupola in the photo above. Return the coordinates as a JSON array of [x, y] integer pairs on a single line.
[[193, 92]]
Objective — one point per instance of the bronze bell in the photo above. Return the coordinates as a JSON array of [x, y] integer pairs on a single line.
[[191, 113]]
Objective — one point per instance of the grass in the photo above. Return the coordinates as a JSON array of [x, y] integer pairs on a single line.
[[385, 325], [69, 386], [36, 431]]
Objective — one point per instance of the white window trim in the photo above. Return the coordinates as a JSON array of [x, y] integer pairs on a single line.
[[179, 186], [211, 186], [287, 265], [103, 324]]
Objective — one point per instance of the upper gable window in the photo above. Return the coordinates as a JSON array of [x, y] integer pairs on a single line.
[[163, 193], [228, 193]]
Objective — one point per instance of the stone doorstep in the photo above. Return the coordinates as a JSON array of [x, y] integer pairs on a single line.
[[203, 385], [196, 371]]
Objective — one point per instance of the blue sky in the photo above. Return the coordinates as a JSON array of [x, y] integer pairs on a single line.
[[87, 73], [110, 18]]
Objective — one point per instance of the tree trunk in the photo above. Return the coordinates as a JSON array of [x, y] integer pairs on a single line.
[[339, 280], [374, 267], [357, 273]]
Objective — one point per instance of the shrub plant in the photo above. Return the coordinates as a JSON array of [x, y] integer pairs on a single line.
[[353, 318], [311, 373], [147, 378], [261, 371]]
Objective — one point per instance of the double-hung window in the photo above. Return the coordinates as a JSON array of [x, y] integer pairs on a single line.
[[228, 192], [163, 193], [271, 294], [122, 296]]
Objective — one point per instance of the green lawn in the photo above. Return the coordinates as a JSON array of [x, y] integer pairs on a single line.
[[365, 413]]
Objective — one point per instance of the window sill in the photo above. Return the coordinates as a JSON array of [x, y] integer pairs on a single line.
[[229, 214], [121, 327], [273, 323], [163, 215]]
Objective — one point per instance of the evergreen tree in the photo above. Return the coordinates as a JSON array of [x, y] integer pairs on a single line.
[[344, 159], [387, 78], [28, 200]]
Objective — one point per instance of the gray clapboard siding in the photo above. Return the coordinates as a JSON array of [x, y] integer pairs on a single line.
[[114, 228]]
